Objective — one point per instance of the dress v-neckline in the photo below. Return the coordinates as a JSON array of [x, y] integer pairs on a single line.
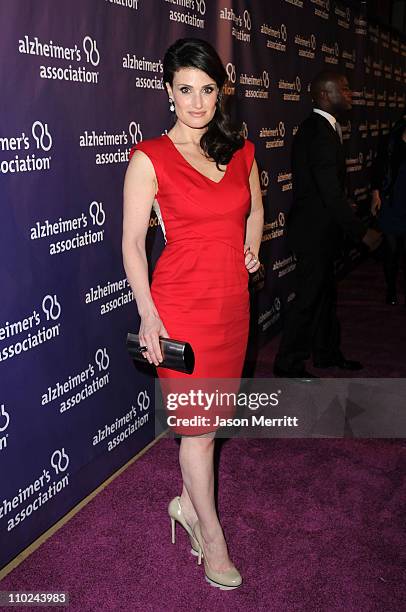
[[195, 169]]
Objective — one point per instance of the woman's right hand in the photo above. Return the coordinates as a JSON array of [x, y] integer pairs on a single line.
[[375, 202], [150, 329]]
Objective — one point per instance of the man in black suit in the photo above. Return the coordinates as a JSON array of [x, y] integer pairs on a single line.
[[319, 216]]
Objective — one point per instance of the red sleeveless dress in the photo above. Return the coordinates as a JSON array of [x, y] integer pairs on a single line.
[[200, 282]]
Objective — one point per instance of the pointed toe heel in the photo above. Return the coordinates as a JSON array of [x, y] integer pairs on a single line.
[[176, 515], [226, 581]]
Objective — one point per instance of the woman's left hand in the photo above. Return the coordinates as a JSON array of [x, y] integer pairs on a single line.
[[376, 202], [252, 262]]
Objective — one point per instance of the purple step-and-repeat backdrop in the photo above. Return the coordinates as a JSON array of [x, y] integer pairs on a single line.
[[82, 82]]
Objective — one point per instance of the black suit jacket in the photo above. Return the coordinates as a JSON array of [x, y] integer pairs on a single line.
[[320, 211]]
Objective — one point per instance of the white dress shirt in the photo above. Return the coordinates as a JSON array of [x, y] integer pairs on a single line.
[[330, 118]]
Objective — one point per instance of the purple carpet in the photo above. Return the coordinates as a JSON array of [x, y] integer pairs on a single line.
[[313, 525]]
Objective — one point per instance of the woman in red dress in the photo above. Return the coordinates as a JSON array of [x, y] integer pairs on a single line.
[[202, 179]]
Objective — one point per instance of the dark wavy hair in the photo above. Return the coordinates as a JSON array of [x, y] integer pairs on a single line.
[[221, 139]]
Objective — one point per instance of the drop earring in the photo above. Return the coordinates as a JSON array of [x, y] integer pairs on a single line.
[[171, 105]]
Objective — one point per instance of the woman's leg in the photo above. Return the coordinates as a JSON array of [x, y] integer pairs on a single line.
[[403, 260], [197, 499], [391, 257]]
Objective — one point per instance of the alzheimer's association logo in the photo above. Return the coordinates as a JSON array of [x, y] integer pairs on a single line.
[[247, 20], [41, 135], [91, 51], [231, 73], [4, 423], [201, 6], [60, 461], [134, 129]]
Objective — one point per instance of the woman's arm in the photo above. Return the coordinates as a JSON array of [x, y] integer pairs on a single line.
[[140, 187], [379, 165], [376, 202], [255, 222]]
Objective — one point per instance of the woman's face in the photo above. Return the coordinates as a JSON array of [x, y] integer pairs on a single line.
[[195, 97]]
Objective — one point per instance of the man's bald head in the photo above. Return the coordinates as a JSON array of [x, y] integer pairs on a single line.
[[330, 92]]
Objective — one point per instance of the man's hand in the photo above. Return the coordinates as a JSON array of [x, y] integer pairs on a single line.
[[372, 239]]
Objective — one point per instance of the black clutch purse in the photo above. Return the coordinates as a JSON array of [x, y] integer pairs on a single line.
[[177, 355]]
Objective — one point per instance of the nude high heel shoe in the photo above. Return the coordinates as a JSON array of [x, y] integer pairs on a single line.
[[176, 515], [231, 579]]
